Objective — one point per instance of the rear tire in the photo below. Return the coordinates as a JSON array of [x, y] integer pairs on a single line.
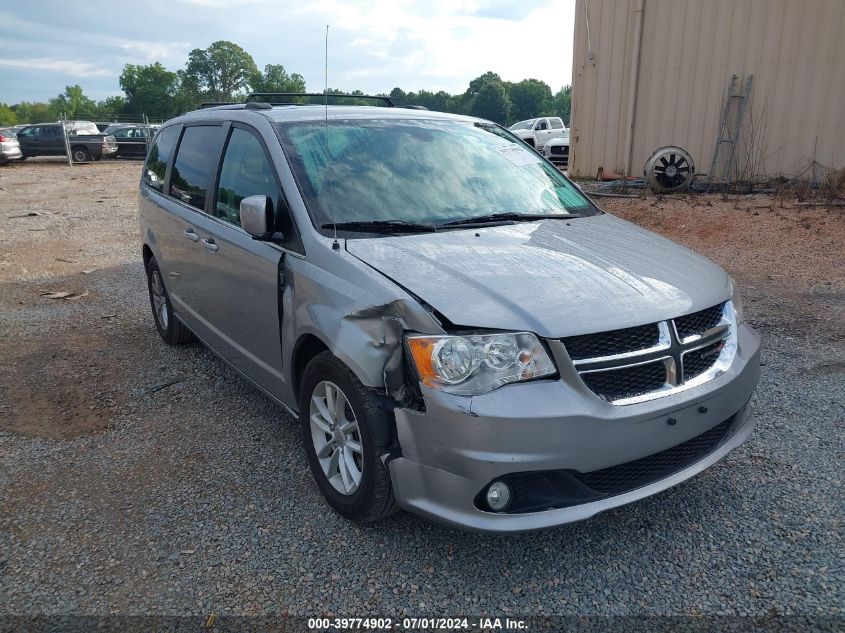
[[171, 329], [368, 428], [80, 154]]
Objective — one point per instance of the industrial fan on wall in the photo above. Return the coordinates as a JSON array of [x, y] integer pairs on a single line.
[[670, 168]]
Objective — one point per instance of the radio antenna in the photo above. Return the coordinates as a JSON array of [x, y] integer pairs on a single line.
[[335, 244]]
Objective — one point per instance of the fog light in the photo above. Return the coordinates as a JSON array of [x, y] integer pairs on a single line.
[[498, 496]]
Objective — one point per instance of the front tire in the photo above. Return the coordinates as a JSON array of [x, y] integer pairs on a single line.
[[345, 432], [171, 329]]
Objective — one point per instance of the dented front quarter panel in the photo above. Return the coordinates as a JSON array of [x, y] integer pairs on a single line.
[[358, 314]]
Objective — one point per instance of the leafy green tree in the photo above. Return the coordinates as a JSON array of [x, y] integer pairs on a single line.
[[530, 98], [276, 79], [110, 108], [563, 103], [72, 103], [7, 115], [152, 90], [492, 103], [221, 71], [398, 96], [28, 112], [478, 83], [457, 104]]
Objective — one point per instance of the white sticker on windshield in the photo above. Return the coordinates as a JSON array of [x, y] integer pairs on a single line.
[[517, 154]]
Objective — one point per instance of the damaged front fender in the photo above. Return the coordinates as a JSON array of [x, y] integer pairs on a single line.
[[366, 337]]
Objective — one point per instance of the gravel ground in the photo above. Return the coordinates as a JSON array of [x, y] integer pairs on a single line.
[[124, 493]]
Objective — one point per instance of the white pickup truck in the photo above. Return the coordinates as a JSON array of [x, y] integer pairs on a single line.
[[536, 132]]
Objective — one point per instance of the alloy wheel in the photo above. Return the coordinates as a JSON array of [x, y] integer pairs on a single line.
[[159, 299], [336, 437]]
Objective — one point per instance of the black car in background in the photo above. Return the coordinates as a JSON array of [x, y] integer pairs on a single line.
[[132, 140], [48, 139]]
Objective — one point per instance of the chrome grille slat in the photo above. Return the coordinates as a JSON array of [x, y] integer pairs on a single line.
[[688, 356]]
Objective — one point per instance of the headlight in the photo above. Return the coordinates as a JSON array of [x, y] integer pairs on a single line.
[[478, 363], [736, 299]]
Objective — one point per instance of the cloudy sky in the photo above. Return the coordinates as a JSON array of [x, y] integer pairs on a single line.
[[374, 45]]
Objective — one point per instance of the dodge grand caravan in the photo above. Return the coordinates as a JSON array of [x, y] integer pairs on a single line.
[[459, 330]]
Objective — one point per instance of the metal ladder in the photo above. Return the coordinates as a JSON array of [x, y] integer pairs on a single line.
[[732, 112]]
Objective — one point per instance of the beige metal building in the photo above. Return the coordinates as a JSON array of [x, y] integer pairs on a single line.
[[649, 73]]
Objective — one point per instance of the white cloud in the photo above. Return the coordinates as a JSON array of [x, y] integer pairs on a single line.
[[448, 41], [374, 45], [73, 68]]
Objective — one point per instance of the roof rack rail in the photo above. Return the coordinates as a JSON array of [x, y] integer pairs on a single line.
[[214, 104], [264, 96]]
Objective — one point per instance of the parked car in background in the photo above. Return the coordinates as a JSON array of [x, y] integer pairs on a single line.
[[10, 148], [132, 140], [557, 150], [47, 139], [460, 330], [536, 132]]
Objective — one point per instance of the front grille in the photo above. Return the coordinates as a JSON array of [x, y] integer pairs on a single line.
[[629, 339], [700, 360], [699, 322], [641, 472], [644, 362], [562, 150], [626, 382]]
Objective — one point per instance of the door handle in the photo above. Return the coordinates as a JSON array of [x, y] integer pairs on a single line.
[[210, 244], [189, 233]]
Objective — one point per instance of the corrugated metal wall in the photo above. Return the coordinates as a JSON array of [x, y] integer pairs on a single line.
[[688, 51]]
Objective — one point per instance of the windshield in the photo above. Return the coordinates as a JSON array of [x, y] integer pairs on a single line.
[[421, 171], [523, 125]]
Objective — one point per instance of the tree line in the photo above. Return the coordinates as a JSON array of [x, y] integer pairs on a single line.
[[226, 72]]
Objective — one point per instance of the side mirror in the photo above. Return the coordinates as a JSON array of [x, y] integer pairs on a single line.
[[257, 216]]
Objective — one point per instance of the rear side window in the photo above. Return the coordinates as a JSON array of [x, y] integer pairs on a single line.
[[160, 154], [198, 150], [245, 172], [557, 124]]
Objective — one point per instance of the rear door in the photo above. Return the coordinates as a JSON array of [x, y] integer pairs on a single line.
[[53, 140]]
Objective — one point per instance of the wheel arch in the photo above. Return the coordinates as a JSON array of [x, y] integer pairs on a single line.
[[306, 347]]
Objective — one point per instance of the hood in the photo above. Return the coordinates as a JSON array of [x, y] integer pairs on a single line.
[[553, 277], [559, 140]]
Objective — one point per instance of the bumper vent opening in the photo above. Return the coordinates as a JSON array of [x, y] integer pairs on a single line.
[[625, 477], [548, 490]]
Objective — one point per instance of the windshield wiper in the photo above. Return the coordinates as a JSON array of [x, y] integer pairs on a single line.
[[508, 217], [382, 226]]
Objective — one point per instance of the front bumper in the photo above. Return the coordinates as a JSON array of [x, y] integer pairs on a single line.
[[451, 452]]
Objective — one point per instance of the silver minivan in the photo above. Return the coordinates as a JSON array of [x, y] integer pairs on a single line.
[[459, 330]]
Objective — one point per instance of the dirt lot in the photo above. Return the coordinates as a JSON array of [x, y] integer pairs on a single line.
[[139, 478]]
